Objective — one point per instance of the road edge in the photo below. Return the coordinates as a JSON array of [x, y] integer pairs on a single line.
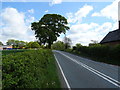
[[62, 77]]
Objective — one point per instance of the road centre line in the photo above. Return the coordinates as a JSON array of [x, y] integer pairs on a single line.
[[109, 79], [62, 73]]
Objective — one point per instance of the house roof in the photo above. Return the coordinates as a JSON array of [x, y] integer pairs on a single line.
[[112, 36], [5, 46]]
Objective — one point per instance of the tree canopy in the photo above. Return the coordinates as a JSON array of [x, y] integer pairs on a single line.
[[32, 45], [49, 27]]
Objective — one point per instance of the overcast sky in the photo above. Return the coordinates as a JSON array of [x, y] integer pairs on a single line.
[[87, 20]]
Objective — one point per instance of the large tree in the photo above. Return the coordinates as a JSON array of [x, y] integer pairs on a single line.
[[49, 27]]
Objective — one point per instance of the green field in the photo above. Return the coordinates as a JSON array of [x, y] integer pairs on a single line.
[[29, 69]]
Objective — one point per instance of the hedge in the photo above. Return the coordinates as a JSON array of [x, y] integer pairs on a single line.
[[29, 69], [100, 53]]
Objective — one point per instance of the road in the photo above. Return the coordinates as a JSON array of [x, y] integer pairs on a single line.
[[80, 72]]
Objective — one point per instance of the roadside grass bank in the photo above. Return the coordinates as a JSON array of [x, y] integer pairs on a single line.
[[110, 55], [29, 69]]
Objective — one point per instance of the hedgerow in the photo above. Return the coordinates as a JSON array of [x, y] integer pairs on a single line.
[[29, 69], [99, 52]]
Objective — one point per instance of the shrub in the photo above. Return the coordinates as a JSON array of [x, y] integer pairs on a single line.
[[29, 69], [100, 53]]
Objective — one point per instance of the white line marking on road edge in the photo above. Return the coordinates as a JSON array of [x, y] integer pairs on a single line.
[[62, 73], [103, 74], [93, 70]]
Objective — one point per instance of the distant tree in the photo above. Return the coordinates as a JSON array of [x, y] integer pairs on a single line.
[[49, 27], [94, 42], [1, 43], [10, 42], [28, 45], [67, 42], [35, 45], [16, 43], [32, 45], [22, 43], [78, 45], [59, 45]]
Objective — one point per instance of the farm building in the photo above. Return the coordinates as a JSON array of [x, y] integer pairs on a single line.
[[112, 38], [5, 47]]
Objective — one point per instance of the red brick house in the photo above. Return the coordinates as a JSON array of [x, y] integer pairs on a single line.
[[112, 38]]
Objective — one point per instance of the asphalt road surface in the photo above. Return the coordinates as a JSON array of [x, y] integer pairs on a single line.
[[80, 72]]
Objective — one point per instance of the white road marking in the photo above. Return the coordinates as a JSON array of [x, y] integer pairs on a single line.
[[63, 74], [103, 74], [94, 71]]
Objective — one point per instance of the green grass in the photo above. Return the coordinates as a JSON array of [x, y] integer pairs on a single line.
[[29, 69]]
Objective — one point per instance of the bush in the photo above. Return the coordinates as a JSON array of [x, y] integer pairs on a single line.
[[114, 53], [100, 53], [98, 50], [29, 69], [32, 45]]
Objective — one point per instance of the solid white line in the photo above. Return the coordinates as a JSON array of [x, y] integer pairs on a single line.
[[93, 70], [62, 73], [103, 74], [103, 77]]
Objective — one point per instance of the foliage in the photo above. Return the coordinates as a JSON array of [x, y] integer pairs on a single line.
[[16, 43], [32, 45], [28, 45], [10, 42], [29, 69], [114, 54], [100, 53], [78, 45], [35, 45], [94, 42], [49, 27], [59, 45]]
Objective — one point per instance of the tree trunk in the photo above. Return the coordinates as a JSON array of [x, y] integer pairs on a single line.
[[49, 45]]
